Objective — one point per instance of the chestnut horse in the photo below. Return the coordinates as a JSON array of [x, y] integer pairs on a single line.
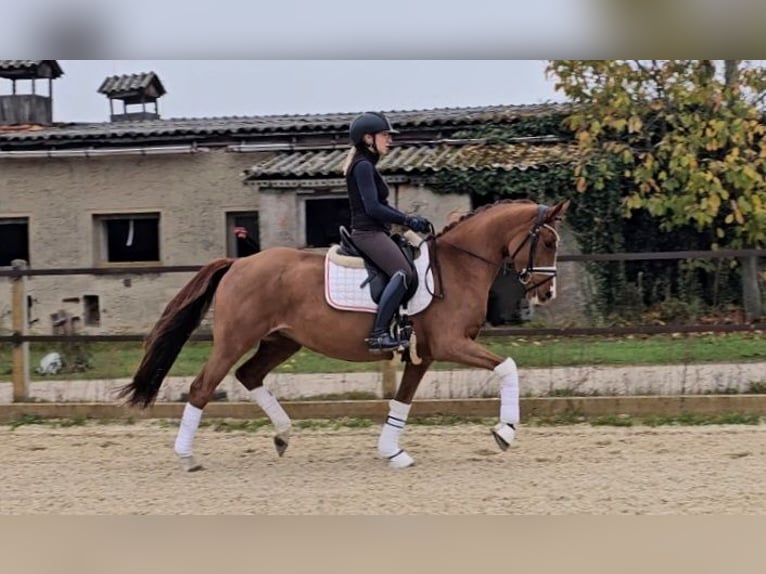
[[273, 302]]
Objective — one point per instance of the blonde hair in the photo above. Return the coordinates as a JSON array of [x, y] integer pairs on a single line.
[[455, 215], [349, 158]]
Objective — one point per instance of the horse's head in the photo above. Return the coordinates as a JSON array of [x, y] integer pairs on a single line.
[[533, 253]]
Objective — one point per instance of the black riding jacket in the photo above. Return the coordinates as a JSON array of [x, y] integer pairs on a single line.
[[368, 196]]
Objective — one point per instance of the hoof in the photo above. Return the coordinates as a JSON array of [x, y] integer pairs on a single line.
[[504, 434], [189, 464], [280, 444], [400, 460]]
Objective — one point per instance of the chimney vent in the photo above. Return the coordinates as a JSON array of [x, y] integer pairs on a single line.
[[133, 89], [28, 108]]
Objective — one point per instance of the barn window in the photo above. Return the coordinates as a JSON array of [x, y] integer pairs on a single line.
[[129, 237], [236, 244], [14, 240], [323, 217]]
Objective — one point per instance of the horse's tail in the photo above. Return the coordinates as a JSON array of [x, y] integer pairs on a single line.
[[181, 316]]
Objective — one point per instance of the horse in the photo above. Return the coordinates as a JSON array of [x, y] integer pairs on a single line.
[[272, 304]]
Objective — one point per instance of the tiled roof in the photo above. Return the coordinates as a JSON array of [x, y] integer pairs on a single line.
[[132, 84], [30, 69], [92, 133], [417, 159], [18, 64]]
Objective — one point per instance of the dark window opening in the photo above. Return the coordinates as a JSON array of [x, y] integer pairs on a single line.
[[132, 238], [323, 217], [14, 241], [243, 246], [506, 304], [91, 310], [30, 303], [477, 200]]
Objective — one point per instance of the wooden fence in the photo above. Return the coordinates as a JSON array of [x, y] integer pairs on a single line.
[[20, 339]]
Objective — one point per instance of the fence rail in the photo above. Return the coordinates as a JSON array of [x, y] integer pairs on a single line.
[[18, 338], [595, 257], [118, 270]]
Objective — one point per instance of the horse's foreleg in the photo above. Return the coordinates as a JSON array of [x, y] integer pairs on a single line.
[[399, 410], [472, 354], [273, 351]]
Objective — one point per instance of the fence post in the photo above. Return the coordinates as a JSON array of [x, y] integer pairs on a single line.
[[20, 321], [751, 291], [388, 370]]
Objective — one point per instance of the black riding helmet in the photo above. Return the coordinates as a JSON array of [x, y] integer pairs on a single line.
[[369, 123]]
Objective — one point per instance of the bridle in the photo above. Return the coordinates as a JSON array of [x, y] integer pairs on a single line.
[[525, 275]]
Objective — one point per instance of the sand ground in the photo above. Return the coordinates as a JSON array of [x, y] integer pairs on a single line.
[[131, 469]]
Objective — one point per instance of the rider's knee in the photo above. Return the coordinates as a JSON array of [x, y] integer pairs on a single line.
[[407, 275]]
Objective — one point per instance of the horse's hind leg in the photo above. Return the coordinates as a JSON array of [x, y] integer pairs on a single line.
[[399, 410], [272, 352], [222, 358]]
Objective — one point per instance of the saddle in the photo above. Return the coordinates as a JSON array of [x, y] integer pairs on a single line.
[[377, 279]]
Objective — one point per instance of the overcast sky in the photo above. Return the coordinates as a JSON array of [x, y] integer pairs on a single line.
[[197, 88]]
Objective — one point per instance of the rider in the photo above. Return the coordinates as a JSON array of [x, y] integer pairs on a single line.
[[371, 219]]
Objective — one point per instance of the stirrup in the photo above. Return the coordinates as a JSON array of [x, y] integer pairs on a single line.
[[376, 344]]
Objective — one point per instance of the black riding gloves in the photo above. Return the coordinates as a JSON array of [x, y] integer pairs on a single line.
[[417, 223]]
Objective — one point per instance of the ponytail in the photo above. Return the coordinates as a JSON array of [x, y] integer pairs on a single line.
[[349, 159]]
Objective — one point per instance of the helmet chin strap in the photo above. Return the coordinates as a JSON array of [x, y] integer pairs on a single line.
[[373, 147]]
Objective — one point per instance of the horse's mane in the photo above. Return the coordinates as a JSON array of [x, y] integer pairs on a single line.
[[478, 210]]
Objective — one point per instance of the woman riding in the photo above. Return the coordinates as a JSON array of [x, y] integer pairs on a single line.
[[371, 219]]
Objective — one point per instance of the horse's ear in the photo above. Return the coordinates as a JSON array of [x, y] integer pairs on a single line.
[[557, 211]]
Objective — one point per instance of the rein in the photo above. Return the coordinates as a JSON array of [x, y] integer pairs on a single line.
[[472, 254], [434, 262]]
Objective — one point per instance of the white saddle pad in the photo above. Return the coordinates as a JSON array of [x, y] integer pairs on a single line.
[[343, 277]]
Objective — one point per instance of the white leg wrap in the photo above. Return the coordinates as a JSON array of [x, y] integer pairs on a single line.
[[509, 391], [189, 425], [388, 443], [270, 405]]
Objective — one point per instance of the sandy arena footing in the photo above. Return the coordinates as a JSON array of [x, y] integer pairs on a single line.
[[579, 469]]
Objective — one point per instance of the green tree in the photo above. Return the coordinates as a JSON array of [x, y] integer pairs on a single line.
[[685, 136]]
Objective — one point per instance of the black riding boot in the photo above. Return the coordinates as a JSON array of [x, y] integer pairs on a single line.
[[380, 339]]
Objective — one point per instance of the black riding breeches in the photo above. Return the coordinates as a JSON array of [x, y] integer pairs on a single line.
[[381, 249]]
